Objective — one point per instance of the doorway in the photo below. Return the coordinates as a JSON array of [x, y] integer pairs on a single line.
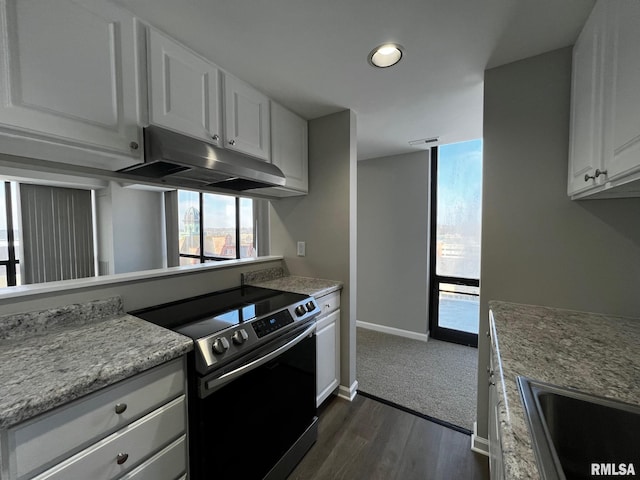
[[455, 221]]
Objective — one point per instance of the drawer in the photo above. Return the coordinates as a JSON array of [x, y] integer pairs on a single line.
[[168, 464], [49, 438], [326, 320], [329, 303], [137, 441]]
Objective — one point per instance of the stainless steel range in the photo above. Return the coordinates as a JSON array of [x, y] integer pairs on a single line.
[[252, 379]]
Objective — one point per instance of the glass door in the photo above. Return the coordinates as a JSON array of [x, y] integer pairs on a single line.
[[456, 194]]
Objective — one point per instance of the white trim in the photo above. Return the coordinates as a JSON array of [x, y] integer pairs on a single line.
[[393, 331], [348, 393], [479, 444], [69, 285]]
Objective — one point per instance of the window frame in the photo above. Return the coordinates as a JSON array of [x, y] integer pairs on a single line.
[[437, 331], [205, 258]]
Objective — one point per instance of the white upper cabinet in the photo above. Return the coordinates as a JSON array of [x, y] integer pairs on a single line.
[[623, 83], [585, 150], [68, 77], [604, 157], [184, 89], [289, 150], [246, 119]]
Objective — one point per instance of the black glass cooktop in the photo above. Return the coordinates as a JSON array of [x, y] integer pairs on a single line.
[[197, 317]]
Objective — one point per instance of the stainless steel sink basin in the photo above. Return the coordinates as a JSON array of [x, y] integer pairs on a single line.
[[576, 435]]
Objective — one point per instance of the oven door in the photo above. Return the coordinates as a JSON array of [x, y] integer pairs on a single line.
[[256, 419]]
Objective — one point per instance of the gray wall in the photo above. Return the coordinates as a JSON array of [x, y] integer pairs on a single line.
[[539, 247], [393, 225], [326, 220]]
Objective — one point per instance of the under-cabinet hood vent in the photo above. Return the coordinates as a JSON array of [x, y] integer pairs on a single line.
[[179, 159]]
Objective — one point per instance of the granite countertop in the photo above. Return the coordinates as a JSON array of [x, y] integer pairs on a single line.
[[52, 357], [277, 279], [315, 287], [594, 353]]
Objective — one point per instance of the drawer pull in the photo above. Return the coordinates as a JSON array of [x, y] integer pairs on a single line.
[[120, 408], [121, 458]]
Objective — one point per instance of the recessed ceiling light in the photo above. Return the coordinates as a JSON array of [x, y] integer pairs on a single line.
[[386, 55]]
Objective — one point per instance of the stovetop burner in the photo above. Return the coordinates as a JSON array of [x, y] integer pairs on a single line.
[[227, 323]]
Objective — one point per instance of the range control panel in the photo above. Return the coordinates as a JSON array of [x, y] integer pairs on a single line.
[[266, 325]]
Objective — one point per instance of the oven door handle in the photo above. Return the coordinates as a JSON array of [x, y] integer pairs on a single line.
[[216, 383]]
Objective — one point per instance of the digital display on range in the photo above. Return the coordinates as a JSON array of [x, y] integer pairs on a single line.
[[266, 325]]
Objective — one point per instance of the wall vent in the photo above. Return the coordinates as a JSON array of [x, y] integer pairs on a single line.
[[424, 142]]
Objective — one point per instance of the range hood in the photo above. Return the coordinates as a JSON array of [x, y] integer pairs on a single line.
[[182, 160]]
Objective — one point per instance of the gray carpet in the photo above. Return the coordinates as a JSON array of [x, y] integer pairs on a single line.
[[434, 378]]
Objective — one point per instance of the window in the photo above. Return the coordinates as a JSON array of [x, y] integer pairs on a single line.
[[56, 237], [456, 196], [214, 227], [9, 243]]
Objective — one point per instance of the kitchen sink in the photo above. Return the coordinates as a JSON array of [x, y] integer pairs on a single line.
[[576, 435]]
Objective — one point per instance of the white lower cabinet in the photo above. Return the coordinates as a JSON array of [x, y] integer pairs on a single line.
[[136, 427], [170, 462], [328, 346]]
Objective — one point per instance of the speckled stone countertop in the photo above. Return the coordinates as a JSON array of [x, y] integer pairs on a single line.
[[52, 357], [594, 353], [315, 287]]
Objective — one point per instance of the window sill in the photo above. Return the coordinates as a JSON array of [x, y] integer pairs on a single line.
[[80, 283]]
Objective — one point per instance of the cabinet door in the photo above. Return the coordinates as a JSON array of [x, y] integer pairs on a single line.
[[184, 92], [328, 356], [67, 73], [246, 119], [623, 79], [585, 149], [289, 150]]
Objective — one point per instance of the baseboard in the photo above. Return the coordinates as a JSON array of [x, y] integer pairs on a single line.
[[393, 331], [479, 444], [348, 393]]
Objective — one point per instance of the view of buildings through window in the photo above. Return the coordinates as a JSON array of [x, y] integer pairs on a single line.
[[212, 226], [458, 221]]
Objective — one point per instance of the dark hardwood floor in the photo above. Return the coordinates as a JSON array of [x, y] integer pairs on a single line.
[[366, 439]]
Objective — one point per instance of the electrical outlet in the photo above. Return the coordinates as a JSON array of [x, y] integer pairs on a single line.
[[302, 246]]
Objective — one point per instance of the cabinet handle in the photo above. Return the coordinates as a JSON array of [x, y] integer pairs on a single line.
[[134, 145], [215, 138], [492, 383], [487, 334], [490, 371], [232, 142], [120, 408], [600, 172], [121, 458], [588, 177]]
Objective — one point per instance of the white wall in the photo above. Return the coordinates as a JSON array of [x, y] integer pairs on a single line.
[[539, 247], [326, 220], [131, 230], [393, 225]]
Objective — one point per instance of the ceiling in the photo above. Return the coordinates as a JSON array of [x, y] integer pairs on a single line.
[[311, 55]]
